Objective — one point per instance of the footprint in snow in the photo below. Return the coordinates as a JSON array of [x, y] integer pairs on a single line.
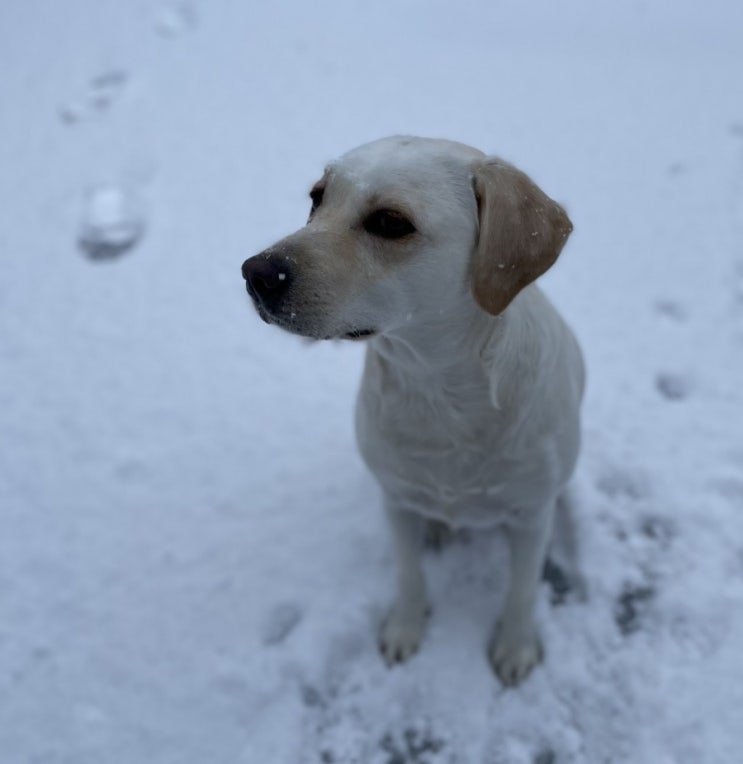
[[280, 623], [546, 756], [672, 310], [658, 529], [617, 482], [673, 386], [175, 19], [113, 221], [97, 98], [634, 601], [729, 487], [631, 606], [413, 746], [559, 582], [338, 725]]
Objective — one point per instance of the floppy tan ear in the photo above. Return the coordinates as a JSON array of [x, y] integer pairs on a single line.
[[521, 233]]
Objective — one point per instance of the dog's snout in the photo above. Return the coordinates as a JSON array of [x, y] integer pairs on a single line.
[[266, 279]]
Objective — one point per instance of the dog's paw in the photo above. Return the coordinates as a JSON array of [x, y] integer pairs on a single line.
[[512, 660], [402, 632]]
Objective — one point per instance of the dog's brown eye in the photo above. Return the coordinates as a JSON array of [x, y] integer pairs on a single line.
[[388, 224], [316, 195]]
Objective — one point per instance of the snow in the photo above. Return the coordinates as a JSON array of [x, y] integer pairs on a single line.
[[175, 19], [113, 221], [193, 562]]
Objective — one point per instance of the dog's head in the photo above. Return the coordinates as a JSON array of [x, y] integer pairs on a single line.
[[403, 229]]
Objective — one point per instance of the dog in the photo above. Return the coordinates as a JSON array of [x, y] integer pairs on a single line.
[[469, 407]]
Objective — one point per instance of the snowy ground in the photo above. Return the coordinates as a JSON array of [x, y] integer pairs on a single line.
[[192, 560]]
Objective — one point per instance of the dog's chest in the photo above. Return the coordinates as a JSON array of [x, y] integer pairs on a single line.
[[435, 447]]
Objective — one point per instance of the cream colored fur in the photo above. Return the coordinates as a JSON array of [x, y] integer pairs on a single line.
[[468, 411]]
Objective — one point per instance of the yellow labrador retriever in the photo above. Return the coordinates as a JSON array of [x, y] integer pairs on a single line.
[[468, 411]]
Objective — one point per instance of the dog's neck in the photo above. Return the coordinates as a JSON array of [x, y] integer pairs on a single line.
[[439, 343]]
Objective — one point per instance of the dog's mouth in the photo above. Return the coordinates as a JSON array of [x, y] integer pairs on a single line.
[[358, 334], [290, 325]]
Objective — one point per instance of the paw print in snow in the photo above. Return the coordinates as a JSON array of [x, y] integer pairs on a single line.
[[101, 93], [673, 310], [281, 622], [631, 606], [616, 482], [673, 386]]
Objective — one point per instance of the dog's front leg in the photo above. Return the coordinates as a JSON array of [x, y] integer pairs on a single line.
[[405, 624], [516, 647]]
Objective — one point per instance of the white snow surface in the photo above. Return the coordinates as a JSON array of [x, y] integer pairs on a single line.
[[193, 563]]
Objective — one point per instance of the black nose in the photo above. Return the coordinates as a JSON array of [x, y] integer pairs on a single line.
[[266, 279]]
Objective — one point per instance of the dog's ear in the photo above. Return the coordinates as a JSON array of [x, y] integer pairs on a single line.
[[521, 233]]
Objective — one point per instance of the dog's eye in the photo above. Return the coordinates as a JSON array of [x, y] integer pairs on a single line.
[[388, 224], [316, 195]]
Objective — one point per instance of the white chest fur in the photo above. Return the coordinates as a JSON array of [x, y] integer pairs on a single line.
[[441, 443], [438, 449]]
